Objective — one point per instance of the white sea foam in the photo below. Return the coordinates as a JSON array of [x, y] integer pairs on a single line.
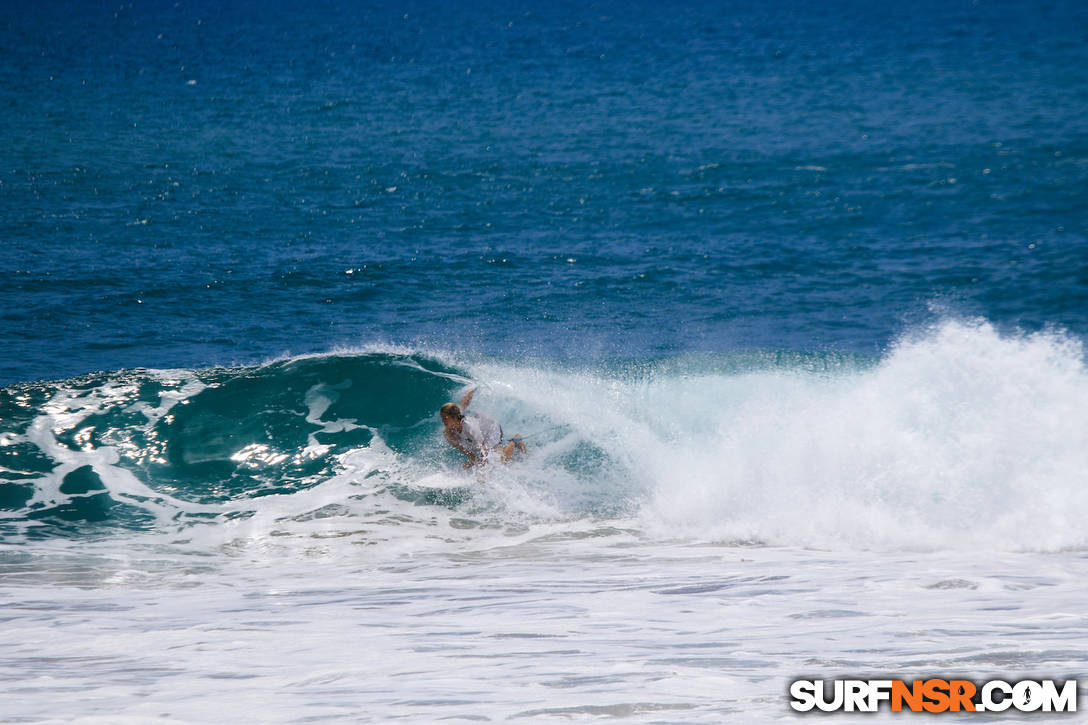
[[959, 436], [609, 575]]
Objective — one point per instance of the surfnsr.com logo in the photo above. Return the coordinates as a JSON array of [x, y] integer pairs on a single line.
[[934, 695]]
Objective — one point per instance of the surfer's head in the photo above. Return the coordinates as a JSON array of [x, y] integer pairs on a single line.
[[451, 414]]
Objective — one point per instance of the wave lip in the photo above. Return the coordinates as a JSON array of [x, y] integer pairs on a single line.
[[140, 447], [959, 436]]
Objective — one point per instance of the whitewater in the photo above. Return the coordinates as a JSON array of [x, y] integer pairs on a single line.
[[252, 545]]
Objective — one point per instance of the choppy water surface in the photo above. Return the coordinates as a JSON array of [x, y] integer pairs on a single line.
[[193, 183], [686, 538], [553, 624], [789, 300]]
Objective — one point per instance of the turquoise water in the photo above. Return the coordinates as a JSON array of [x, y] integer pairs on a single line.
[[789, 301]]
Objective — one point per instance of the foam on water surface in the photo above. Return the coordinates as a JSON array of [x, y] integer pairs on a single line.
[[958, 437]]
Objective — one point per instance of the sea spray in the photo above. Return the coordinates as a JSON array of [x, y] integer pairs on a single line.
[[959, 436]]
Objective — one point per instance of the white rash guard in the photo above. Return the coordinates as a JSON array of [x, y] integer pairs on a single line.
[[480, 432]]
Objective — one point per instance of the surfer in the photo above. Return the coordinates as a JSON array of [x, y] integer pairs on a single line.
[[476, 435]]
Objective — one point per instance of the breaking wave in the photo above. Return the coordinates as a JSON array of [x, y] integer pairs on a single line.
[[959, 436]]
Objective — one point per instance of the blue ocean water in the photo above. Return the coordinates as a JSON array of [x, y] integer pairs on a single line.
[[189, 184], [789, 299]]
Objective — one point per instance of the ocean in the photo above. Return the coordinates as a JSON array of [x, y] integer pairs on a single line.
[[789, 301]]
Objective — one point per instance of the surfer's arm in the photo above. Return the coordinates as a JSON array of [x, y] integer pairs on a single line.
[[467, 399], [472, 456], [453, 441]]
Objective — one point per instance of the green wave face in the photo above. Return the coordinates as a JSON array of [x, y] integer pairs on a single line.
[[275, 414], [958, 436], [208, 436]]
